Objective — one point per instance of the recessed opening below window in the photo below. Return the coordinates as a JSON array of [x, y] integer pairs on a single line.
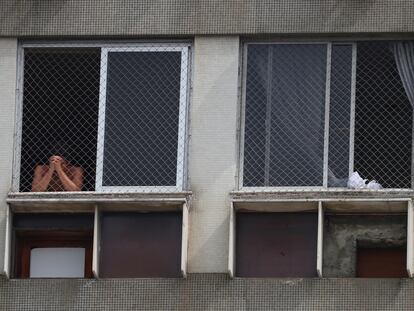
[[276, 244], [365, 245], [52, 245], [381, 261], [134, 244]]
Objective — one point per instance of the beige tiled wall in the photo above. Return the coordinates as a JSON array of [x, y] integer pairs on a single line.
[[212, 154], [8, 55]]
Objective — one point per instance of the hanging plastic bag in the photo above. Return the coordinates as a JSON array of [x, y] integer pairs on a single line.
[[356, 182], [373, 184]]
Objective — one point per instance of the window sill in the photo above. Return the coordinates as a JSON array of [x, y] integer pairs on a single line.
[[333, 200], [320, 193], [87, 201]]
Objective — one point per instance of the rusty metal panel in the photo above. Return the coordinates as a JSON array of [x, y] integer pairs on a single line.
[[276, 244], [381, 263], [140, 245]]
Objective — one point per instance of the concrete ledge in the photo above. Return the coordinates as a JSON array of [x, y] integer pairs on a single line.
[[335, 201], [322, 194], [209, 291], [86, 201], [208, 17]]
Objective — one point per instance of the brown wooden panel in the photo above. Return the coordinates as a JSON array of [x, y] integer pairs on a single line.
[[276, 244], [381, 263], [141, 245]]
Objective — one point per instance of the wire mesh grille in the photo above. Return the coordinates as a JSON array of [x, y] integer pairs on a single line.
[[383, 118], [285, 91], [104, 118], [286, 140], [340, 115]]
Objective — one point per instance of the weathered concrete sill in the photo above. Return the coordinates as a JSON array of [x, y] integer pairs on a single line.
[[86, 201]]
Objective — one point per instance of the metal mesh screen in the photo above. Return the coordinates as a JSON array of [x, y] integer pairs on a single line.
[[340, 115], [60, 110], [287, 142], [107, 118], [383, 118], [284, 129]]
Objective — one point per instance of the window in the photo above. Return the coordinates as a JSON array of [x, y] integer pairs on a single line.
[[316, 112], [114, 117], [53, 245]]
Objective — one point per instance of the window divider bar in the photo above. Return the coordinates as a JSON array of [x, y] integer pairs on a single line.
[[7, 246], [319, 256], [243, 117], [171, 44], [412, 152], [101, 120], [410, 239], [182, 117], [268, 120], [96, 242], [327, 106], [19, 120], [184, 240], [352, 113], [232, 242]]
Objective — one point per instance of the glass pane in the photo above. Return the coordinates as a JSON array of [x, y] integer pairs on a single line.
[[141, 118], [60, 112], [383, 118], [57, 262], [340, 115], [285, 107]]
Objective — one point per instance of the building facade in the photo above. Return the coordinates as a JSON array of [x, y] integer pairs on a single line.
[[214, 141]]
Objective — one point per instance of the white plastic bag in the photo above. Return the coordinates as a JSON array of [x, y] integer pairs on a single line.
[[356, 182], [373, 184]]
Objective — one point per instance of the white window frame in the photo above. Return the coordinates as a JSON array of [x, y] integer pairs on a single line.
[[106, 47], [243, 118], [324, 185], [181, 122]]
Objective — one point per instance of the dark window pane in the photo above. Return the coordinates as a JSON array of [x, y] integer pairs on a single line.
[[340, 115], [383, 118], [141, 245], [141, 118], [285, 106], [276, 244], [255, 115], [60, 110]]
